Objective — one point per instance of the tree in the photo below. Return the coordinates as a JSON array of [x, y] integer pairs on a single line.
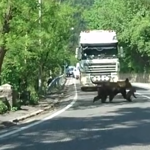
[[25, 59], [130, 19]]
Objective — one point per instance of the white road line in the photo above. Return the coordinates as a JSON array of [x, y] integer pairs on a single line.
[[143, 95], [47, 118]]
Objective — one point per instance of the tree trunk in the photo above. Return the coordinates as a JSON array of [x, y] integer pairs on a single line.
[[2, 55], [5, 29]]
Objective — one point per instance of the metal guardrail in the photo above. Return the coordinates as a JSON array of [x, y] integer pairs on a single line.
[[56, 84], [136, 77]]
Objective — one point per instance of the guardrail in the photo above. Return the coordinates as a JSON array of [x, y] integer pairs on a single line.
[[57, 84], [136, 77]]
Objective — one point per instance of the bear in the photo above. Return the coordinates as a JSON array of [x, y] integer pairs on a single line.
[[131, 93], [111, 89]]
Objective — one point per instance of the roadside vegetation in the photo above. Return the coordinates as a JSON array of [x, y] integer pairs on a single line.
[[32, 46], [130, 19]]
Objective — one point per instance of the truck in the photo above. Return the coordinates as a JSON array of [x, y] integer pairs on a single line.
[[98, 55]]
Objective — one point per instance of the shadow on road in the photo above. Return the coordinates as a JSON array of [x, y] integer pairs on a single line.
[[123, 127], [85, 102], [128, 127]]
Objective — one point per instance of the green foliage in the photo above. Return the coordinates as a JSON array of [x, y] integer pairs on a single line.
[[80, 24], [34, 96], [3, 107], [130, 19], [27, 59], [14, 109]]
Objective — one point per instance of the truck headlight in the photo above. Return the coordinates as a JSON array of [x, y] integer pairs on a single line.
[[114, 77]]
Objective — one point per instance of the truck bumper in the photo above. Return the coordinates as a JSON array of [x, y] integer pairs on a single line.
[[85, 81]]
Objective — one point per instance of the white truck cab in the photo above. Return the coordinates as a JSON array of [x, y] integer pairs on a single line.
[[98, 57]]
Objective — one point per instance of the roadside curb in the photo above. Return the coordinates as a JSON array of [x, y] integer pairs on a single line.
[[40, 111], [31, 114]]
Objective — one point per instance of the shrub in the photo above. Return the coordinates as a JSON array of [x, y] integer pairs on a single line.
[[3, 107], [34, 98]]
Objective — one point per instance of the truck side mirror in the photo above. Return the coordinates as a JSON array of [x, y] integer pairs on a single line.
[[121, 51], [76, 54]]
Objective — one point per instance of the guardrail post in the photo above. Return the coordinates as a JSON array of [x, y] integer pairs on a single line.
[[56, 84]]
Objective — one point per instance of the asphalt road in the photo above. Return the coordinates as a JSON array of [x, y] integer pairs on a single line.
[[86, 126]]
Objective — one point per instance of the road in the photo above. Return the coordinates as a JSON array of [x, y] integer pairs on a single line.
[[86, 126]]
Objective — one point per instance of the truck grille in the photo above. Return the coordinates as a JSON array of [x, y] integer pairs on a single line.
[[101, 68]]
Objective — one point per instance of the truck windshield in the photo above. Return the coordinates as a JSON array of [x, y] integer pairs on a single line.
[[95, 53]]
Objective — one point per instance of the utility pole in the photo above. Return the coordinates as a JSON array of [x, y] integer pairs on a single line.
[[40, 69]]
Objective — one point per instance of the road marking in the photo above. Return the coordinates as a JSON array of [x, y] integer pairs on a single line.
[[143, 95], [47, 118]]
